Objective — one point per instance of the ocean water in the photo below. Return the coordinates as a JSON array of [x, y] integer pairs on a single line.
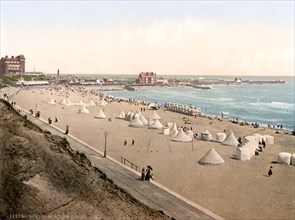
[[262, 103]]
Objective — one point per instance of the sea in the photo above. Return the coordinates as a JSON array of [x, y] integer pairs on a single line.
[[265, 104]]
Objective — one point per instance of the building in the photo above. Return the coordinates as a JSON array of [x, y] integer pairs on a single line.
[[13, 65], [146, 78]]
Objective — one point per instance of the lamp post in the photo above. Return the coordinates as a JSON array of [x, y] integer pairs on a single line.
[[105, 144]]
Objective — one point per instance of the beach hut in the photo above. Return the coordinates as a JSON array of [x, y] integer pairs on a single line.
[[156, 125], [258, 137], [243, 153], [231, 140], [220, 137], [165, 130], [211, 158], [136, 123], [83, 109], [293, 160], [251, 146], [121, 115], [206, 136], [181, 137], [269, 140], [174, 130], [100, 115], [51, 101], [284, 158], [155, 116], [190, 133]]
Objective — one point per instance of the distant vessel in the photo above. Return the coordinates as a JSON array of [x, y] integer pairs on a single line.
[[202, 86]]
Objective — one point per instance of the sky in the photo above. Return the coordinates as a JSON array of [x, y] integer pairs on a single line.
[[166, 37]]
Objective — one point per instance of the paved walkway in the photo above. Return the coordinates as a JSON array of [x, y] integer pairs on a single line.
[[151, 193]]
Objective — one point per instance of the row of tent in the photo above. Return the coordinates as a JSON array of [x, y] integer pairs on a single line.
[[184, 109], [67, 102]]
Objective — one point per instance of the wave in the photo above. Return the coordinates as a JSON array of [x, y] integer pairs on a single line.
[[278, 105]]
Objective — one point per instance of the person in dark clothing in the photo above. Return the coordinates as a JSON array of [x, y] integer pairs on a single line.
[[270, 171], [142, 174], [67, 130], [263, 143], [132, 142], [148, 174], [56, 120], [125, 143]]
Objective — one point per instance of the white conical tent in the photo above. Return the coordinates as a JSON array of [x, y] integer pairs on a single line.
[[121, 115], [102, 103], [231, 140], [51, 101], [174, 130], [181, 137], [91, 103], [150, 121], [136, 115], [155, 116], [143, 120], [136, 123], [129, 116], [169, 125], [211, 158], [190, 133], [243, 153], [83, 109], [65, 102], [81, 103], [206, 136], [100, 115], [156, 125], [220, 137]]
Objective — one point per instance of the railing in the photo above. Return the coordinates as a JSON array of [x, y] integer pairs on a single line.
[[132, 165]]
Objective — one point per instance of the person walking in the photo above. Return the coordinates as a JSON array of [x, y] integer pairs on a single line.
[[132, 142], [142, 174], [67, 130], [270, 171]]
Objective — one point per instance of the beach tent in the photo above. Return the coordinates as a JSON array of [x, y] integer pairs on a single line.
[[169, 125], [65, 102], [121, 115], [150, 121], [136, 115], [284, 158], [190, 133], [220, 137], [136, 123], [251, 138], [156, 125], [181, 137], [129, 116], [174, 130], [81, 103], [102, 103], [165, 130], [143, 120], [100, 115], [206, 136], [269, 140], [211, 158], [243, 153], [293, 159], [83, 109], [155, 116], [51, 101], [231, 140], [91, 103]]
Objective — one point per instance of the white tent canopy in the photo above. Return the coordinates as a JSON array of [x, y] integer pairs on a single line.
[[136, 122], [100, 115], [251, 146], [211, 158], [220, 137], [51, 101], [182, 137], [143, 120], [121, 115], [231, 140], [65, 102], [174, 130], [83, 109], [206, 136], [156, 125], [155, 116]]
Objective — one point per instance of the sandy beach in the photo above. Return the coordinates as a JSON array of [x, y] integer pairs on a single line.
[[233, 190]]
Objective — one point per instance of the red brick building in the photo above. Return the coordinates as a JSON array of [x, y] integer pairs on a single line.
[[13, 65], [146, 78]]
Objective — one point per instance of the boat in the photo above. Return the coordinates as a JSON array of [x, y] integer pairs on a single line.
[[202, 86]]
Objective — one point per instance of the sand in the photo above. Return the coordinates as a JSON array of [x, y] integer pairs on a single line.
[[235, 189]]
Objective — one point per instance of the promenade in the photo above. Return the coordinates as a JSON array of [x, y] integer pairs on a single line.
[[150, 193]]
